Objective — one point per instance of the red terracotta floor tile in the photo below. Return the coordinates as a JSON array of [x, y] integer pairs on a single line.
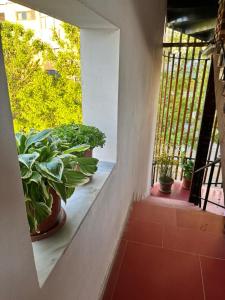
[[193, 241], [212, 223], [115, 271], [150, 273], [167, 202], [188, 219], [213, 271], [200, 220], [210, 244], [151, 213], [180, 239], [144, 232]]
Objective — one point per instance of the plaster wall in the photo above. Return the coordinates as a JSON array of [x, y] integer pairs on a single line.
[[100, 74], [80, 273]]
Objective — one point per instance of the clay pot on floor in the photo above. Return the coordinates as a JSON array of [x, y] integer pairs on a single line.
[[186, 183], [165, 185], [53, 222]]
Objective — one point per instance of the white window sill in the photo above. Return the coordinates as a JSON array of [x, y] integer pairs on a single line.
[[48, 251]]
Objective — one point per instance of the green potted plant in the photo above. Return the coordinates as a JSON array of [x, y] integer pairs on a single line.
[[165, 163], [49, 175], [77, 134], [187, 166]]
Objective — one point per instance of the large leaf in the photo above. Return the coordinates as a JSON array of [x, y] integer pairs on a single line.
[[79, 148], [38, 137], [42, 211], [36, 177], [87, 165], [20, 142], [51, 169], [28, 159], [73, 178], [63, 191], [25, 171], [69, 160], [32, 222], [43, 191]]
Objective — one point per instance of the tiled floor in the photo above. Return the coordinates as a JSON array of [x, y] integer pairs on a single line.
[[170, 250], [178, 193]]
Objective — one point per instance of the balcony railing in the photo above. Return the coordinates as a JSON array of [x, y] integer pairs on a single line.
[[184, 79]]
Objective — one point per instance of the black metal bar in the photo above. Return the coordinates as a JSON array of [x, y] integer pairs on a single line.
[[208, 165], [180, 103], [204, 138], [200, 98], [218, 174], [186, 59], [192, 105], [216, 183], [153, 174], [208, 186], [188, 44], [186, 105], [216, 204], [211, 146]]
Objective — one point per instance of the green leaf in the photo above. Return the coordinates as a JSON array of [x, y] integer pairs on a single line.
[[63, 191], [20, 142], [73, 178], [25, 172], [36, 177], [69, 160], [51, 169], [28, 159], [32, 222], [42, 211], [38, 137], [87, 165], [49, 200], [79, 148]]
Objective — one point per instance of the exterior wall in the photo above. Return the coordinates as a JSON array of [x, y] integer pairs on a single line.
[[81, 272]]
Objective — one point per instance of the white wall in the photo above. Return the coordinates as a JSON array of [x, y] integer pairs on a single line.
[[80, 273], [100, 79]]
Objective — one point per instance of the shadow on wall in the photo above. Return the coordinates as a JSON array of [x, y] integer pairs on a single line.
[[151, 27], [150, 20]]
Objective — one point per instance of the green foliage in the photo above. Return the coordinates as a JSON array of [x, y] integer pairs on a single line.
[[165, 163], [188, 167], [44, 167], [75, 134], [39, 100], [66, 60], [179, 104]]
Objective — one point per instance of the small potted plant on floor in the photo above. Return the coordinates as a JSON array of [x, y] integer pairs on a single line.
[[77, 134], [187, 166], [49, 175], [165, 163]]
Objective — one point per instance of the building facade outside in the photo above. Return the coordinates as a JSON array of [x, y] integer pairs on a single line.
[[40, 23]]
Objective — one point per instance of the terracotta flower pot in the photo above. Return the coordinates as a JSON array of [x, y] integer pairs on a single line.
[[88, 153], [165, 185], [53, 222], [186, 183]]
